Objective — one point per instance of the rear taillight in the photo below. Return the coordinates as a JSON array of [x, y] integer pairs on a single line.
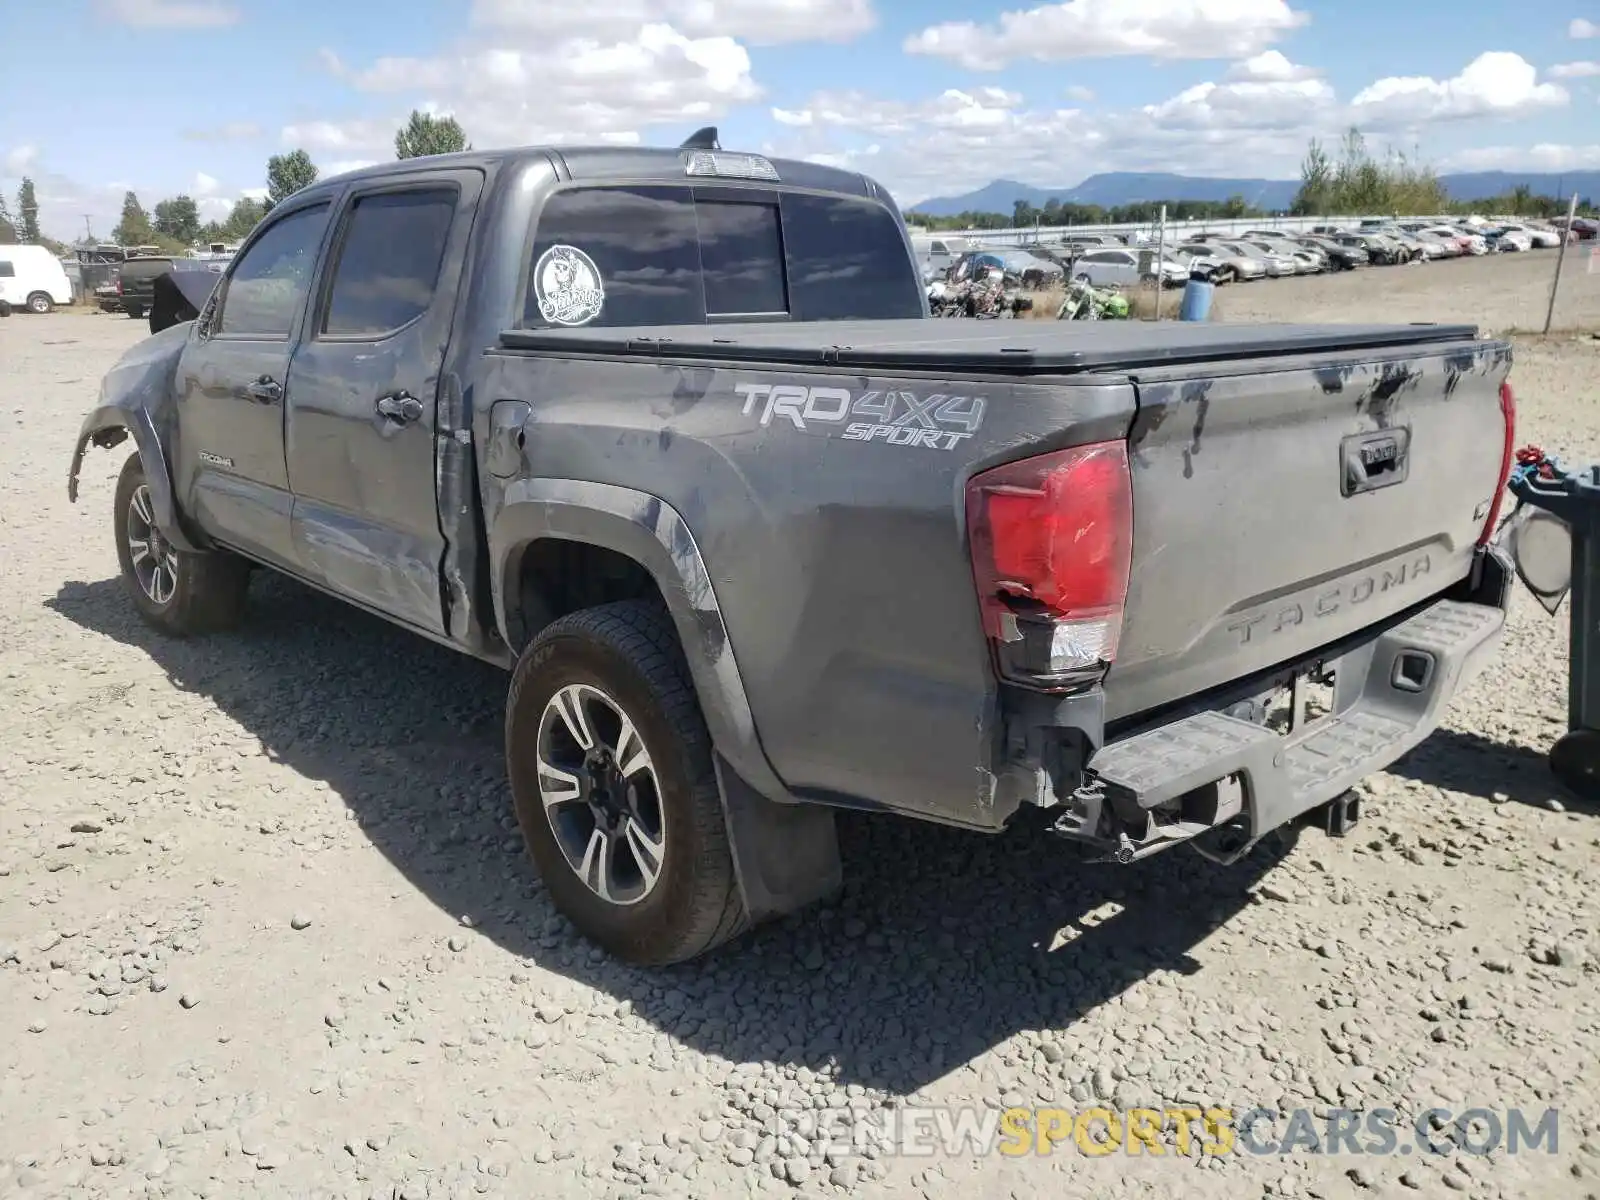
[[1508, 410], [1052, 538]]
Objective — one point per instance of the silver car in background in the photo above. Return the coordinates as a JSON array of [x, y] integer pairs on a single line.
[[1226, 265], [1278, 263]]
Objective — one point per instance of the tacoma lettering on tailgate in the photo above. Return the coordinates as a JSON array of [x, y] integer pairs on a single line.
[[1282, 615], [897, 418]]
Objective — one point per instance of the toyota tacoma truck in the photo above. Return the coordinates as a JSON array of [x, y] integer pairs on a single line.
[[669, 435]]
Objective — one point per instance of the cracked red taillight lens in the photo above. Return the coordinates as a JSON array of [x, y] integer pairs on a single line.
[[1052, 542]]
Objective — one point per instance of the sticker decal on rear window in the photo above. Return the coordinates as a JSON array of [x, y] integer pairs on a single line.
[[567, 285]]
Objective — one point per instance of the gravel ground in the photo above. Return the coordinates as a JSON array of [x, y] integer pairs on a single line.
[[266, 928]]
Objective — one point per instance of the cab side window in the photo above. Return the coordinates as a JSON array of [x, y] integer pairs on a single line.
[[389, 260], [269, 283]]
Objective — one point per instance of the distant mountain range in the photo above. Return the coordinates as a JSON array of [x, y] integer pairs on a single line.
[[1131, 187]]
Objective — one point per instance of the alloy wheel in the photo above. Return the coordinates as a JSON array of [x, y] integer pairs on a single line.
[[155, 561], [601, 794]]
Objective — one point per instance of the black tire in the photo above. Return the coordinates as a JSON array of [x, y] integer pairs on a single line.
[[207, 589], [629, 651], [1575, 761], [134, 310], [1224, 276], [40, 303]]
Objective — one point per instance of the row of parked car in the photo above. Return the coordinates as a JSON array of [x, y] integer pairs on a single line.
[[1106, 260]]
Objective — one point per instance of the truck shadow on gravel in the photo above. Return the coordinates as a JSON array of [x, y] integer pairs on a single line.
[[1496, 771], [943, 944]]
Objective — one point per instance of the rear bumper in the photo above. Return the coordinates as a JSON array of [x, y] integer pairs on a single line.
[[1212, 772]]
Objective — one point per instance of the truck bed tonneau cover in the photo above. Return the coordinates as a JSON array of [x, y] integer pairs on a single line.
[[1004, 347]]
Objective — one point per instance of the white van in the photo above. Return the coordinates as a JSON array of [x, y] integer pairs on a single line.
[[937, 253], [33, 278]]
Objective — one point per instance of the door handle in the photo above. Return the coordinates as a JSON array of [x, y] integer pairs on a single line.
[[265, 390], [400, 407]]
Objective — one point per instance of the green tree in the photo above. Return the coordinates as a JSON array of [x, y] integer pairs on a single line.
[[1358, 183], [27, 211], [288, 174], [8, 230], [425, 134], [178, 219], [134, 229], [245, 216], [1316, 183]]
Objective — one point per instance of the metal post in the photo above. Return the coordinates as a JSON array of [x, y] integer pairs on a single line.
[[1561, 255], [1161, 256]]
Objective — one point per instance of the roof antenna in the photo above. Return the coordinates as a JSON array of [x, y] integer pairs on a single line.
[[702, 139]]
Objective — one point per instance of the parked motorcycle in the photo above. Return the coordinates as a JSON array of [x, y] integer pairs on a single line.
[[1085, 302]]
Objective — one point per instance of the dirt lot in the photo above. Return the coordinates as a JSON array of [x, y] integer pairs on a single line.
[[266, 928]]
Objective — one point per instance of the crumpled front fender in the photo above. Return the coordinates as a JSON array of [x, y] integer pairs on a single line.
[[136, 400]]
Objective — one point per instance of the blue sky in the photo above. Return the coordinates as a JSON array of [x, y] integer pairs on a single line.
[[932, 98]]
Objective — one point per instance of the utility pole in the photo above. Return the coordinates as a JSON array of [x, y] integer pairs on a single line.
[[88, 232], [1555, 284]]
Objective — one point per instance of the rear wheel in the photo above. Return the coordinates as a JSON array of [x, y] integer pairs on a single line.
[[40, 302], [611, 774], [134, 310], [176, 591]]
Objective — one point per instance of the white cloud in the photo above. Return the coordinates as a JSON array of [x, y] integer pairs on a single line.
[[340, 166], [758, 22], [18, 159], [516, 92], [1496, 84], [170, 14], [1169, 29], [1543, 157], [205, 185], [1583, 28], [1270, 67], [1574, 70], [1282, 105], [255, 193], [340, 136], [232, 131], [1079, 93], [1253, 121]]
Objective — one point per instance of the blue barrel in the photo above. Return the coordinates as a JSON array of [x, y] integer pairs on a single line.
[[1196, 301]]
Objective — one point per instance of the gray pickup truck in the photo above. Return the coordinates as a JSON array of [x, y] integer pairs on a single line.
[[670, 436]]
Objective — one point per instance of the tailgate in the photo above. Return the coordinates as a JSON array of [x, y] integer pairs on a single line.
[[1284, 505]]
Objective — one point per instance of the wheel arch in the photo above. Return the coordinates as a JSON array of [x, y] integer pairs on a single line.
[[136, 401], [112, 424], [629, 526], [785, 854]]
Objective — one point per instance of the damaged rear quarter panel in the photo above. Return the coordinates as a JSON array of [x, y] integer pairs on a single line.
[[136, 396], [837, 554]]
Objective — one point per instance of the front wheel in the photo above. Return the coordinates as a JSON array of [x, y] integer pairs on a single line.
[[40, 303], [611, 774], [177, 591]]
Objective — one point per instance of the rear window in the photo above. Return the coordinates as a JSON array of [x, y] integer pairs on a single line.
[[7, 271], [675, 255]]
